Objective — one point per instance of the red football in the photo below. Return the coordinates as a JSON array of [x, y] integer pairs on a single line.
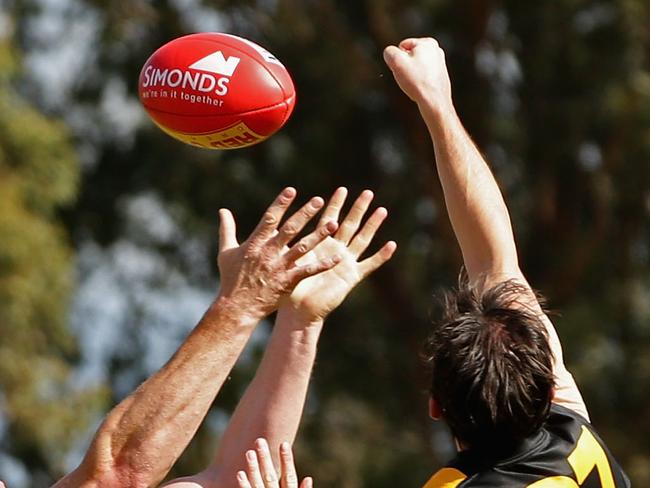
[[216, 91]]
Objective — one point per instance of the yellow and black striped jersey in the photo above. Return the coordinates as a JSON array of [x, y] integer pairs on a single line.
[[565, 453]]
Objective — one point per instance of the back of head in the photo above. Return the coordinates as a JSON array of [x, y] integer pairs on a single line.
[[492, 365]]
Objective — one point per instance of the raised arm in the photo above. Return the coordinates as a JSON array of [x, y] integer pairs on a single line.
[[273, 403], [476, 208], [144, 435]]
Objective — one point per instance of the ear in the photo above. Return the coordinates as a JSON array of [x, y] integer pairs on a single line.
[[435, 412]]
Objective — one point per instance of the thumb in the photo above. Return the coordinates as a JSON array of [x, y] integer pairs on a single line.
[[409, 44], [227, 230], [394, 56]]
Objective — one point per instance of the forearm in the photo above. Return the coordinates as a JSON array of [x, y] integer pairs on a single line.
[[144, 435], [474, 202], [273, 403]]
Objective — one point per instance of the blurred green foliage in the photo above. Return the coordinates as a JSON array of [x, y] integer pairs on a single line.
[[556, 93], [38, 175]]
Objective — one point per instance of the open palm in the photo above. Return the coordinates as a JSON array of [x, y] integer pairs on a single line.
[[315, 297]]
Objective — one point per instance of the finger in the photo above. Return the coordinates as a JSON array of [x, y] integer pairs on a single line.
[[307, 483], [292, 227], [362, 240], [253, 468], [227, 230], [394, 57], [268, 470], [242, 480], [273, 215], [369, 265], [288, 468], [309, 242], [349, 226], [409, 43], [334, 206], [299, 273]]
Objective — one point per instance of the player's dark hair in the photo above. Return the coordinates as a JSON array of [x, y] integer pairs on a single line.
[[492, 365]]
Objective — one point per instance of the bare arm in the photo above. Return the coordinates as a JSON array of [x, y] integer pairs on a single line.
[[273, 403], [143, 436], [476, 208]]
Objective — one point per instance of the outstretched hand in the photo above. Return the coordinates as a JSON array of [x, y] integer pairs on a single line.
[[258, 272], [315, 297]]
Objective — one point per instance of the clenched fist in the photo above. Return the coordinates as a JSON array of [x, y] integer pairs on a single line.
[[421, 72]]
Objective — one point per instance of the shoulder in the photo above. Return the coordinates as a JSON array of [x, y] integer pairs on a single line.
[[446, 478], [562, 418]]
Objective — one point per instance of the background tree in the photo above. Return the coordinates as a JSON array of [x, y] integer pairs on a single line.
[[38, 175]]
